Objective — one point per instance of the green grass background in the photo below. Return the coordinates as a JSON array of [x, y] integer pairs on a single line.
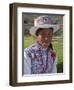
[[57, 45]]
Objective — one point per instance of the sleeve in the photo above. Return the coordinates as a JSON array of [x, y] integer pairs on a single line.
[[27, 64], [54, 70]]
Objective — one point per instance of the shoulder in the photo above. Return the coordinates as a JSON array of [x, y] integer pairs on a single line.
[[52, 51], [30, 49]]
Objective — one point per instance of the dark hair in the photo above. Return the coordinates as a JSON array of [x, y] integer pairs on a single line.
[[37, 32], [50, 46]]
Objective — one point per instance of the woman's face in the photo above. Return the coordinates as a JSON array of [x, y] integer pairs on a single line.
[[45, 37]]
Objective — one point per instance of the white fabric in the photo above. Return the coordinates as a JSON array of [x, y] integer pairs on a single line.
[[34, 29], [27, 64]]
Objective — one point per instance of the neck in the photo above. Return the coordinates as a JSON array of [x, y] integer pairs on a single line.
[[43, 46]]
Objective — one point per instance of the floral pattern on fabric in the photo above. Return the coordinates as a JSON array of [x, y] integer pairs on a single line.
[[42, 60]]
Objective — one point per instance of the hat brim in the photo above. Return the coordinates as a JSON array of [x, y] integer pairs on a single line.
[[34, 29]]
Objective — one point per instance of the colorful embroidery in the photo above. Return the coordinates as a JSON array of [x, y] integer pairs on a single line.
[[53, 55], [41, 59]]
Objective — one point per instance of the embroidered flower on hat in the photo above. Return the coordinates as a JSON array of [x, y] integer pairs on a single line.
[[44, 20], [47, 20]]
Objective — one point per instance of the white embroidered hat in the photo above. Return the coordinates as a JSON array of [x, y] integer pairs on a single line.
[[43, 22]]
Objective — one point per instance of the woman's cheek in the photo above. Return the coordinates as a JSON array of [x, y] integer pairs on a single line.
[[40, 38]]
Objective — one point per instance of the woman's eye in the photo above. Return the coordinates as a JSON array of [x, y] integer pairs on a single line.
[[49, 34], [43, 34]]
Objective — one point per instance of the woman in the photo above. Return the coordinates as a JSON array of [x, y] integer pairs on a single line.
[[40, 57]]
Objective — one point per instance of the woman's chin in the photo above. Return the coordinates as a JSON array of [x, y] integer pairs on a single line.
[[45, 45]]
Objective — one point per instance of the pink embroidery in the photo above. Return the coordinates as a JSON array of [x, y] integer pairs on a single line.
[[53, 55]]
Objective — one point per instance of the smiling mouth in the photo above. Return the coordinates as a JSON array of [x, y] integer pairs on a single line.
[[46, 43]]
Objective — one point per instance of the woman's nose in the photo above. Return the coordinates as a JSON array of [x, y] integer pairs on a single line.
[[46, 38]]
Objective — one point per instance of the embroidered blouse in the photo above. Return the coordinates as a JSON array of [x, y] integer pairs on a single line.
[[38, 60]]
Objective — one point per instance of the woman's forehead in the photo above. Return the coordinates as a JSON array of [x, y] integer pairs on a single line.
[[46, 30]]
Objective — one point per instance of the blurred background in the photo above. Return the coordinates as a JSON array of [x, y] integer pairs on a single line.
[[57, 41]]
